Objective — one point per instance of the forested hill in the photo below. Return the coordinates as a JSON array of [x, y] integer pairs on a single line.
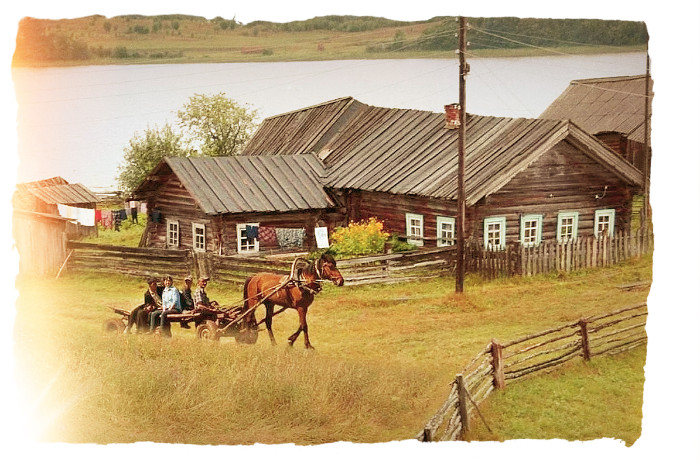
[[184, 39]]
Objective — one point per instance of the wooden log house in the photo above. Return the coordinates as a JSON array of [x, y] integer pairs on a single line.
[[219, 204], [612, 109], [526, 180]]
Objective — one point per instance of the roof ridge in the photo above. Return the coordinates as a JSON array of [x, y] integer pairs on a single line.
[[350, 99], [619, 78]]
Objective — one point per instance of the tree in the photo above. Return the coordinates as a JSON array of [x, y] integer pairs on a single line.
[[216, 125], [145, 152]]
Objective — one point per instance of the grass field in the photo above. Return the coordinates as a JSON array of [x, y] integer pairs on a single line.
[[384, 358], [194, 41]]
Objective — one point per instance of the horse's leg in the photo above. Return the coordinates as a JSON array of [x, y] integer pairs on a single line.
[[303, 327], [269, 309]]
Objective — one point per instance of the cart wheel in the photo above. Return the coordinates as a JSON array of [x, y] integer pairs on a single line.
[[248, 335], [208, 331], [114, 326]]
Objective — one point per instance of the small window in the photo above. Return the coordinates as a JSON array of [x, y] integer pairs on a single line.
[[604, 222], [199, 242], [414, 228], [567, 226], [445, 231], [247, 234], [495, 233], [172, 233], [530, 230]]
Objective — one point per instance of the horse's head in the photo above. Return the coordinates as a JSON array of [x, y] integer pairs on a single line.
[[325, 266]]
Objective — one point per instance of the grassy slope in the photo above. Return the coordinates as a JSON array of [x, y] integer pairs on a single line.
[[202, 41], [384, 359]]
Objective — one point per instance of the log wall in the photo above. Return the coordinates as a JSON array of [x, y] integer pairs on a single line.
[[564, 179]]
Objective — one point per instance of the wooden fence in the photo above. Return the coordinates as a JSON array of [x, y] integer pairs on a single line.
[[133, 261], [499, 364], [386, 268], [551, 256], [145, 262]]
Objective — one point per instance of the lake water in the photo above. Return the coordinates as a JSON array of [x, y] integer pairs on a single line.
[[75, 122]]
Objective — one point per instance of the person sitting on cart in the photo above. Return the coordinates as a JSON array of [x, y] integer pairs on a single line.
[[186, 300], [151, 301], [170, 304], [200, 297]]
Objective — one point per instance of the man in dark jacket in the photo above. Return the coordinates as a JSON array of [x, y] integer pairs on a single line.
[[151, 301], [186, 299]]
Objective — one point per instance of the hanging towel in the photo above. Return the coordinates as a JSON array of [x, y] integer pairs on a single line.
[[251, 232]]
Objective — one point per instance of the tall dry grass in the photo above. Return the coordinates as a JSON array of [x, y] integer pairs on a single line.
[[384, 358]]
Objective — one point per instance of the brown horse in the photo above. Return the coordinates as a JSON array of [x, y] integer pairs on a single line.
[[296, 292]]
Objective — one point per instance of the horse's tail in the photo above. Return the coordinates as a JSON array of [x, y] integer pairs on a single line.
[[245, 293]]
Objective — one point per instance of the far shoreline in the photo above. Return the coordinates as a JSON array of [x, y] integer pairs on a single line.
[[236, 57]]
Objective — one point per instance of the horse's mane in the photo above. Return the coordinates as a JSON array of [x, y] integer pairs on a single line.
[[328, 258]]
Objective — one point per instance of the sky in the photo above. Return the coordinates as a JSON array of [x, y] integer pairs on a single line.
[[672, 390]]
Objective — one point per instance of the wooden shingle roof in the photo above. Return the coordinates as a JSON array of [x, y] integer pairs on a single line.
[[58, 191], [240, 184], [302, 131], [410, 152], [612, 104]]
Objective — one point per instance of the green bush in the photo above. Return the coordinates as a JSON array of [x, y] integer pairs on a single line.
[[397, 245]]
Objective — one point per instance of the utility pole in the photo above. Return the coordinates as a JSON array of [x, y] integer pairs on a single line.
[[463, 70], [647, 149]]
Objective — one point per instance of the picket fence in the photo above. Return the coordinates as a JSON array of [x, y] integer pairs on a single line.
[[499, 364]]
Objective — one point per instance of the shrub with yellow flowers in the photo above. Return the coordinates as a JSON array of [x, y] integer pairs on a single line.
[[359, 238]]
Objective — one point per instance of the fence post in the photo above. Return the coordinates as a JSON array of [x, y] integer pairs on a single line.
[[427, 434], [462, 400], [499, 379], [583, 324]]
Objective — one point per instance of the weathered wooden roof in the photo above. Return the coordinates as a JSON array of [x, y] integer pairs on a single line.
[[410, 152], [612, 104], [58, 193], [302, 131], [240, 184]]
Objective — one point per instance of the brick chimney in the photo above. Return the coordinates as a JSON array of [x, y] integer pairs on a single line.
[[452, 116]]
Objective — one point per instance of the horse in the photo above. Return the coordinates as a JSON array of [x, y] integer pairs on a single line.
[[295, 291]]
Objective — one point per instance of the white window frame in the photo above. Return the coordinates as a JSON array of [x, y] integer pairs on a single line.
[[249, 248], [501, 221], [538, 231], [172, 239], [574, 226], [599, 214], [415, 239], [444, 241], [196, 246]]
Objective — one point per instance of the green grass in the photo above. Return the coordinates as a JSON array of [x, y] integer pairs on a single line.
[[129, 233], [384, 358], [580, 401]]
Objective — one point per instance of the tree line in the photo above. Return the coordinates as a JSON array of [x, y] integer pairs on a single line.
[[55, 41], [509, 33]]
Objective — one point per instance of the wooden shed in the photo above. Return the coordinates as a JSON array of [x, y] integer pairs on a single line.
[[58, 197], [229, 205], [526, 179], [40, 240]]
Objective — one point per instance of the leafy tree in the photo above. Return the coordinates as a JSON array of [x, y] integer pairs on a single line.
[[216, 125], [145, 152]]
